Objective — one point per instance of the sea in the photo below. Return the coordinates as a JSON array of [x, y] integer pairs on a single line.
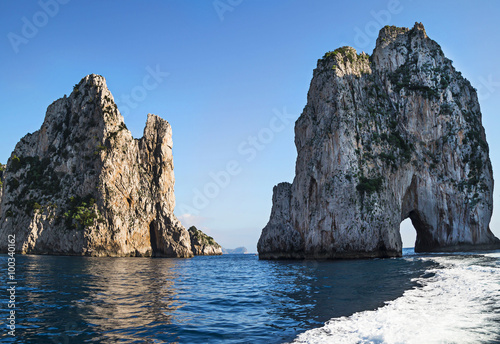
[[419, 298]]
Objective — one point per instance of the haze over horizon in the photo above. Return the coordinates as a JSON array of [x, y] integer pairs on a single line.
[[230, 76]]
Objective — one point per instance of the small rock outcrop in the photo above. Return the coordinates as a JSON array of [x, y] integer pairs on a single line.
[[202, 244], [82, 185], [383, 138]]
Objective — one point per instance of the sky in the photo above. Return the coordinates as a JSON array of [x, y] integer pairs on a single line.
[[225, 72]]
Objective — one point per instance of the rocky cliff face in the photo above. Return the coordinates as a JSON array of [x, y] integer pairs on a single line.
[[82, 185], [383, 138], [202, 244]]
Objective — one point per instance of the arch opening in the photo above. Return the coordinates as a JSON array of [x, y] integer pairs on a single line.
[[408, 233], [425, 240]]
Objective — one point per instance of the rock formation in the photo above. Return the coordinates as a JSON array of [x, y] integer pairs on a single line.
[[82, 185], [202, 244], [383, 138]]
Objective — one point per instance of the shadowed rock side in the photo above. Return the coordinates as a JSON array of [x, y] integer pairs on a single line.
[[279, 235], [82, 185], [381, 139], [202, 244]]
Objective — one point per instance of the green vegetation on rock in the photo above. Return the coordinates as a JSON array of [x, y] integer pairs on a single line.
[[38, 177], [2, 169], [201, 237], [81, 212], [369, 185], [348, 54]]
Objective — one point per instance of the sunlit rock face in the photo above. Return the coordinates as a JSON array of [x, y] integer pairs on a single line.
[[202, 244], [383, 138], [82, 185]]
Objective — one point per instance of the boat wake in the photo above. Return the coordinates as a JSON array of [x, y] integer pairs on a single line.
[[457, 302]]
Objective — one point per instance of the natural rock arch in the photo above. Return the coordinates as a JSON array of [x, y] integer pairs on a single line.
[[425, 233], [383, 138], [408, 233]]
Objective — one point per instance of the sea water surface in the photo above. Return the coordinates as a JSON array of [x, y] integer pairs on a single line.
[[239, 299]]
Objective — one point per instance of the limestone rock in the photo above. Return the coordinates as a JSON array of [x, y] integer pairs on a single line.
[[383, 138], [202, 244], [279, 235], [82, 185]]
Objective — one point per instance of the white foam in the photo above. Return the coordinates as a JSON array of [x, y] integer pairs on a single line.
[[456, 305]]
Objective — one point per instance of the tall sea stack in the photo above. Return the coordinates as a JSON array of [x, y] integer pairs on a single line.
[[383, 138], [82, 185]]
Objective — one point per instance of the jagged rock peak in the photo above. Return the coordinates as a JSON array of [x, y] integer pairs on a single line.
[[344, 61], [383, 138], [389, 33], [91, 80], [82, 185]]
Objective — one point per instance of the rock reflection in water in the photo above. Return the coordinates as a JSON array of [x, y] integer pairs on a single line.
[[128, 296], [98, 299]]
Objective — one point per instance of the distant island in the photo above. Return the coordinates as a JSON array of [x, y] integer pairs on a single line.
[[238, 250]]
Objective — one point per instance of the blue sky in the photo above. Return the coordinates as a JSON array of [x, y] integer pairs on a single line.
[[231, 77]]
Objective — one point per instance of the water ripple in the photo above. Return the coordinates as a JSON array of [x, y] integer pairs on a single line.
[[231, 299]]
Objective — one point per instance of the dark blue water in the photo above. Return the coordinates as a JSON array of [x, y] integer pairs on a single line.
[[229, 299]]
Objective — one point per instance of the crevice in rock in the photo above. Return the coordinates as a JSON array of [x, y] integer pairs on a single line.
[[153, 238]]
